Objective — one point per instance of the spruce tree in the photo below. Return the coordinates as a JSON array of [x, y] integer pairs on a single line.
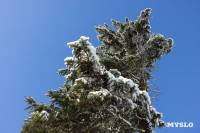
[[106, 88]]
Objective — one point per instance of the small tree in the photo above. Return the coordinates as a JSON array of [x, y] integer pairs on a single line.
[[105, 90]]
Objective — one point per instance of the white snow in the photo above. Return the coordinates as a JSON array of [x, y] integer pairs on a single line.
[[130, 83], [71, 44], [93, 53], [110, 75], [146, 95], [87, 47], [45, 115], [34, 113], [133, 105], [134, 96], [127, 122], [84, 38], [121, 81], [68, 75], [78, 100], [127, 81], [103, 92], [116, 109], [68, 58], [137, 90], [81, 79]]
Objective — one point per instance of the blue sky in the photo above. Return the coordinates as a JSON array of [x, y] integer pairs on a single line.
[[33, 37]]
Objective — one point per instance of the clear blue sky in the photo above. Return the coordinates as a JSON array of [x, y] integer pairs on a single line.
[[33, 37]]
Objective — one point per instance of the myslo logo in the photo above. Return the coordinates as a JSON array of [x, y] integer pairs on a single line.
[[179, 124]]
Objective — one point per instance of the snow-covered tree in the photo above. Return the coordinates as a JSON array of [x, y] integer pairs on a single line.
[[105, 90]]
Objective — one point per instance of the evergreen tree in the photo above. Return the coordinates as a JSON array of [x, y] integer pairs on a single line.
[[105, 90]]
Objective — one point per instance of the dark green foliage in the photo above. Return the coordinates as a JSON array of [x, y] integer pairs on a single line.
[[105, 91], [133, 48]]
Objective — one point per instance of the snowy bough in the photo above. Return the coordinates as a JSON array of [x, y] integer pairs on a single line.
[[105, 90]]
